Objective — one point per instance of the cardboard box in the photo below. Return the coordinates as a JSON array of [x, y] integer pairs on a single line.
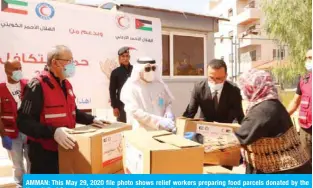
[[160, 152], [216, 170], [228, 155], [7, 182], [197, 125], [120, 172], [98, 151]]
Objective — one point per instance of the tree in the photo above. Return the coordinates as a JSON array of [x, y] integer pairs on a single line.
[[290, 22]]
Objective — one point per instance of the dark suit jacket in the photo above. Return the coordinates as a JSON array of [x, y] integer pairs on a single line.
[[229, 108]]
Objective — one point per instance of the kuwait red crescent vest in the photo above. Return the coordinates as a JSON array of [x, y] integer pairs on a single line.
[[58, 111], [9, 109], [305, 114]]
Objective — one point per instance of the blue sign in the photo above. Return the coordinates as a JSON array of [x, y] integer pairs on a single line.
[[157, 180], [45, 11]]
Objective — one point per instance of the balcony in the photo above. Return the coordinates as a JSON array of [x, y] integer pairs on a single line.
[[249, 39], [248, 16]]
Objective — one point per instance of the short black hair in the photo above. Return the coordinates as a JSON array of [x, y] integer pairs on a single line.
[[217, 64]]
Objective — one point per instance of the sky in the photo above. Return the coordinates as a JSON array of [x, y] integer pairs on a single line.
[[193, 6]]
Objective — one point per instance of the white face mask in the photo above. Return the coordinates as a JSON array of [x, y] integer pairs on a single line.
[[148, 76], [308, 65], [215, 87]]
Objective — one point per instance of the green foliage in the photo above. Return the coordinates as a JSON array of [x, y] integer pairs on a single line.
[[290, 22]]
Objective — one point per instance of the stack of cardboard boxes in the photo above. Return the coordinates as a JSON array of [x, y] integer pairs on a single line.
[[98, 151], [117, 150]]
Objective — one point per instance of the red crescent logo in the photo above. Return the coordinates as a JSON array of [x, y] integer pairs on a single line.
[[41, 10], [122, 21], [119, 21]]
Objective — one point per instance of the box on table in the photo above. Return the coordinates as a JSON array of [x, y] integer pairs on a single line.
[[160, 152], [216, 170], [120, 172], [220, 144], [98, 150], [7, 182]]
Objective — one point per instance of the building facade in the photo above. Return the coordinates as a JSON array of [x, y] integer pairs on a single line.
[[242, 42]]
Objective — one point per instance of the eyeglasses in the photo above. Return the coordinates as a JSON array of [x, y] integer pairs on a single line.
[[148, 69], [68, 60], [216, 79]]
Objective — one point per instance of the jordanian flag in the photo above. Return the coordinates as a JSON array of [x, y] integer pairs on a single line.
[[144, 25], [14, 6]]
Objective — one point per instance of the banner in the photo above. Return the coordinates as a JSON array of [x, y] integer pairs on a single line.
[[153, 180], [29, 29]]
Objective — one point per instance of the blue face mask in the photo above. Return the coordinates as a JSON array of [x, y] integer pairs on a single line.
[[308, 65], [69, 70], [17, 75]]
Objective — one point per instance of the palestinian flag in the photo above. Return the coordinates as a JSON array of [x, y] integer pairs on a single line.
[[14, 6], [145, 25]]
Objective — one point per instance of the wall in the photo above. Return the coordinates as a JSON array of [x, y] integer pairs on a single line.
[[174, 20], [181, 87]]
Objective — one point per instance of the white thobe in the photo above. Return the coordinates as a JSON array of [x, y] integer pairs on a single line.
[[145, 103]]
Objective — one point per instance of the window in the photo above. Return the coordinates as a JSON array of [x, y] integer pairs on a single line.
[[183, 54], [231, 34], [274, 54], [230, 12], [188, 55], [230, 58], [166, 55], [282, 54], [278, 54], [253, 55]]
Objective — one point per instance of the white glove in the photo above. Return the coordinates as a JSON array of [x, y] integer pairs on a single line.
[[167, 124], [169, 115], [98, 122], [63, 138]]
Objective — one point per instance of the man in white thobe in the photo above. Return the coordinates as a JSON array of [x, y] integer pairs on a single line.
[[147, 98]]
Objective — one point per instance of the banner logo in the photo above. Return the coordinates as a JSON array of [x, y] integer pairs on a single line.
[[144, 25], [122, 21], [14, 6], [45, 11]]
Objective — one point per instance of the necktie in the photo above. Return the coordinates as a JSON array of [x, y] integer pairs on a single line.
[[215, 100]]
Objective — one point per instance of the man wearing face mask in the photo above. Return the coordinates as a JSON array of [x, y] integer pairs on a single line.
[[48, 112], [117, 80], [218, 99], [11, 94], [147, 98], [303, 99]]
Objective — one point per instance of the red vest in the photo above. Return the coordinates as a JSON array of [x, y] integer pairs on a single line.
[[58, 110], [9, 109], [305, 114]]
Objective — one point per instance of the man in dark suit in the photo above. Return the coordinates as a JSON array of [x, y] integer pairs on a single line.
[[218, 99]]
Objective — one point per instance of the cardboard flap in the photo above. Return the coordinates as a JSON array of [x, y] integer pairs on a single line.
[[190, 119], [83, 129], [177, 141], [159, 133]]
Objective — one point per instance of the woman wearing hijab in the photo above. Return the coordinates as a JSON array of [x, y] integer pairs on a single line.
[[267, 135]]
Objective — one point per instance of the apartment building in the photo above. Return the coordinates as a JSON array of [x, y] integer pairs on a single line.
[[242, 42]]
